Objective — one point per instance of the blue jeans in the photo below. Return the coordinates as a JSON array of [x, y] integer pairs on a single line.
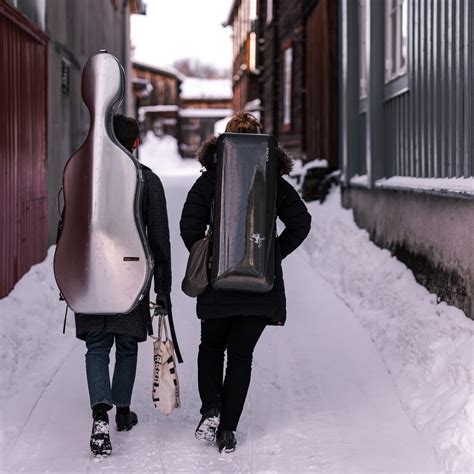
[[98, 345]]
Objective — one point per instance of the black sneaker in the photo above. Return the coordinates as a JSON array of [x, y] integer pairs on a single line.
[[207, 428], [126, 421], [100, 438], [226, 441]]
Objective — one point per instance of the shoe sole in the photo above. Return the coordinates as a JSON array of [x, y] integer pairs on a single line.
[[226, 450], [102, 455], [98, 452], [207, 430], [126, 427]]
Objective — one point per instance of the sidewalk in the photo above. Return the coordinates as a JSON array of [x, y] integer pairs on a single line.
[[321, 399]]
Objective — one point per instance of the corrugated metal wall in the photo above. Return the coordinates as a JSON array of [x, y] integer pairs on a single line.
[[428, 130], [23, 157]]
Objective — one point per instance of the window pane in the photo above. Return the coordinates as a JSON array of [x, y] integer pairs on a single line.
[[404, 33], [393, 54], [362, 49]]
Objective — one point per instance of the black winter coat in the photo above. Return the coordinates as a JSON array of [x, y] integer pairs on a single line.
[[137, 323], [196, 217]]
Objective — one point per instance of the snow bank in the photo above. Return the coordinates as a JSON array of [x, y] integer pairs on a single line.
[[32, 345], [459, 185], [162, 156], [427, 346]]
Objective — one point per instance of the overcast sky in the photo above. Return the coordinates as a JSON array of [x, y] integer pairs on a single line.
[[175, 29]]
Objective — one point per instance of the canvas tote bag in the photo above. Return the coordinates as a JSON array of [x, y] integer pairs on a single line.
[[165, 376]]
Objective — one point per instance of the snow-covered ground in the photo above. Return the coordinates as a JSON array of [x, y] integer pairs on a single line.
[[367, 356]]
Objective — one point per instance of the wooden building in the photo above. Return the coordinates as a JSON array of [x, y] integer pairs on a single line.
[[157, 97], [286, 55], [203, 103], [245, 73], [406, 136], [23, 150]]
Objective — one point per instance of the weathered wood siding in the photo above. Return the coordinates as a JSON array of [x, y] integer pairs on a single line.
[[23, 152], [322, 83]]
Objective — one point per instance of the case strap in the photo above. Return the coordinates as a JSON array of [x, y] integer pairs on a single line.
[[173, 332], [65, 318]]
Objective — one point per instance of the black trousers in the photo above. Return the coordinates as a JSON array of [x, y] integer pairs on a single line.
[[238, 335]]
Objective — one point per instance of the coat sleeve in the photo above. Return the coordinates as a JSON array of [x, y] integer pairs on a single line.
[[294, 214], [158, 233], [196, 215]]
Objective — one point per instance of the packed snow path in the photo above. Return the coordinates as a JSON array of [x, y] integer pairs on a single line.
[[320, 399]]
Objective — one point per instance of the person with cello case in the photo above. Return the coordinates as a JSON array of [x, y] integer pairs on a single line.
[[100, 331]]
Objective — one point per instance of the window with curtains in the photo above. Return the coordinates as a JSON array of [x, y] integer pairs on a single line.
[[287, 84], [396, 38]]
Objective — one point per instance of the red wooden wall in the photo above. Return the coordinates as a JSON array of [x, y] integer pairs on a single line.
[[322, 83], [23, 152]]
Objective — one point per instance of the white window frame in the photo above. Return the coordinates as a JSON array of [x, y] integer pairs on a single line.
[[363, 33], [269, 11], [287, 84], [393, 65]]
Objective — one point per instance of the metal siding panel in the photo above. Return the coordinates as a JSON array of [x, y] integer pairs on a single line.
[[416, 97], [422, 87], [468, 100], [362, 144], [436, 89], [429, 88], [459, 89], [400, 102], [406, 137], [410, 122], [394, 112], [449, 90], [443, 97]]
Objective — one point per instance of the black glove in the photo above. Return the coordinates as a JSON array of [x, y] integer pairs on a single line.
[[161, 308]]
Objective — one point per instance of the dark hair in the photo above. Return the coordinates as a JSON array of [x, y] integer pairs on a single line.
[[126, 130], [243, 122]]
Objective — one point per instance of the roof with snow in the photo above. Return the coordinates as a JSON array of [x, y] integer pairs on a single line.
[[212, 89], [205, 113], [165, 70]]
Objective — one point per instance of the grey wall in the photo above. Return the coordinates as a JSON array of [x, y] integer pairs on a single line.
[[435, 238], [77, 30]]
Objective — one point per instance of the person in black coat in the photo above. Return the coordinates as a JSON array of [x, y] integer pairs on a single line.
[[126, 330], [234, 320]]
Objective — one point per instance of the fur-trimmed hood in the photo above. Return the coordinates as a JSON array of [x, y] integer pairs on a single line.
[[208, 149]]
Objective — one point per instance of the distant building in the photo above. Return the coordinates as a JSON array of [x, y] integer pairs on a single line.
[[245, 73], [157, 97], [285, 69], [406, 136], [47, 43], [203, 103]]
